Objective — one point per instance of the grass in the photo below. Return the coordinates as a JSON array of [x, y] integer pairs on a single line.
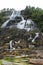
[[9, 58], [0, 62], [16, 60]]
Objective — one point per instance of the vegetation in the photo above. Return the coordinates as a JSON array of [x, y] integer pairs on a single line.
[[16, 61], [17, 34], [0, 62], [36, 14], [4, 13], [6, 35]]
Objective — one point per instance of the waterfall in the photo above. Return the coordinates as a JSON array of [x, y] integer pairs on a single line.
[[27, 25], [14, 14], [37, 35], [23, 24], [11, 46], [5, 24]]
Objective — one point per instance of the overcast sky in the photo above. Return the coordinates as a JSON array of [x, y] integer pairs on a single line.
[[20, 4]]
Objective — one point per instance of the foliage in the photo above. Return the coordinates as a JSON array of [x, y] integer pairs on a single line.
[[0, 62], [4, 13], [36, 14]]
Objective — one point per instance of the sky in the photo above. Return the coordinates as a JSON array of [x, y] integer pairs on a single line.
[[20, 4]]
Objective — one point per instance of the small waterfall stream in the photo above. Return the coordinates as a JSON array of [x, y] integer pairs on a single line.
[[37, 35], [5, 23], [11, 46]]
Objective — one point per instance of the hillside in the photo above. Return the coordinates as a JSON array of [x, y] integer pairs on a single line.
[[20, 33]]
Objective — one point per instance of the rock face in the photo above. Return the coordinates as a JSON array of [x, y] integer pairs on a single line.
[[17, 20]]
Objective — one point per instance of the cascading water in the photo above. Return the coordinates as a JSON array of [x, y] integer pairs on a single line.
[[37, 35], [11, 46], [5, 23], [23, 24]]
